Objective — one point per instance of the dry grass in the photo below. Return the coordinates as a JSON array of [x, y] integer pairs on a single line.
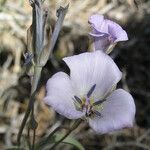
[[132, 57]]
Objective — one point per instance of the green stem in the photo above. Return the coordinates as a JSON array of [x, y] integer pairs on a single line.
[[75, 125], [47, 139], [34, 130], [37, 74], [28, 139], [36, 78], [33, 142]]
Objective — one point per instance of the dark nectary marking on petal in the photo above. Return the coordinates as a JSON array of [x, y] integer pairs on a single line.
[[78, 99], [91, 90], [99, 102]]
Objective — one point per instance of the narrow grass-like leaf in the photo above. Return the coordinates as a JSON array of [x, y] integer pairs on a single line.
[[69, 140], [61, 13], [13, 148]]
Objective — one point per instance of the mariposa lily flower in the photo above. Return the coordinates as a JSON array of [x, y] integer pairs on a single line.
[[106, 33], [89, 92]]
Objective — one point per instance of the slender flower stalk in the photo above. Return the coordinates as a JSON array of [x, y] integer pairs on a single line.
[[47, 140], [75, 125]]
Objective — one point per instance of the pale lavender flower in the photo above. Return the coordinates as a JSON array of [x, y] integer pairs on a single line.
[[89, 92], [105, 33]]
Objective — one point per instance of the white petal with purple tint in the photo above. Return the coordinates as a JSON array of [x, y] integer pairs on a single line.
[[60, 96], [98, 23], [101, 43], [88, 69], [118, 112], [116, 31]]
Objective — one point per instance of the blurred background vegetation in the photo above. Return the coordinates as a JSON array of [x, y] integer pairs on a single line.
[[132, 57]]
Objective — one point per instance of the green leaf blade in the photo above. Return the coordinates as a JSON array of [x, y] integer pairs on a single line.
[[69, 140]]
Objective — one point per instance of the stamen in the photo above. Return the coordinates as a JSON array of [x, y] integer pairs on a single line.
[[86, 104], [91, 90], [99, 102], [78, 99], [97, 113]]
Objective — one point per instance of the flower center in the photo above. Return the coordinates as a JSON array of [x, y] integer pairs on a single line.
[[88, 105]]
